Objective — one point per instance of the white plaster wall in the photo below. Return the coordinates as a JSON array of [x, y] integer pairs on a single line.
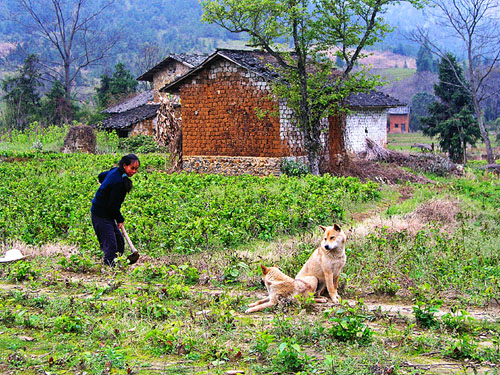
[[364, 124]]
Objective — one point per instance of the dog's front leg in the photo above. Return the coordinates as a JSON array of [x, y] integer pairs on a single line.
[[256, 303], [331, 285], [262, 306]]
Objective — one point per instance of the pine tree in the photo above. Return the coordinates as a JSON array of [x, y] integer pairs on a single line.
[[113, 89], [451, 118], [21, 95]]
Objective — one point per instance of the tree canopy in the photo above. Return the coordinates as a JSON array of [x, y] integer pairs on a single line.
[[452, 118]]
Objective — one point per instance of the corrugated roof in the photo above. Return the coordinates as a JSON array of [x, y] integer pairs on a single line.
[[190, 60]]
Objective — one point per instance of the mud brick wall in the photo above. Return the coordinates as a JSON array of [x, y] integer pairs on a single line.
[[364, 124], [146, 127], [227, 111]]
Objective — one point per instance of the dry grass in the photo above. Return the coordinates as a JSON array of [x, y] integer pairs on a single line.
[[442, 210], [47, 250]]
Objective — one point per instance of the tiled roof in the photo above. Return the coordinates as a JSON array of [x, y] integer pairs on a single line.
[[264, 64], [128, 118], [190, 60], [134, 102], [372, 98]]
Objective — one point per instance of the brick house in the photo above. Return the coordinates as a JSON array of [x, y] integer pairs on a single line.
[[399, 119], [137, 115], [228, 124]]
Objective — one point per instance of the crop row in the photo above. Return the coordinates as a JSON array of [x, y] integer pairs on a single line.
[[46, 197]]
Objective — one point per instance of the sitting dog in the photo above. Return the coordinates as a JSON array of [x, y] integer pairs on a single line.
[[327, 261], [280, 285]]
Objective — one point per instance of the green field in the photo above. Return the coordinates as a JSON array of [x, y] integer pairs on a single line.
[[420, 290]]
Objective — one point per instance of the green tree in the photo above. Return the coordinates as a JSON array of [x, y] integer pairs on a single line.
[[420, 103], [475, 25], [22, 99], [425, 62], [313, 29], [112, 89], [452, 118], [55, 106]]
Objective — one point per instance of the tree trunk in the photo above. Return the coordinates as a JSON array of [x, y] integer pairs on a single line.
[[482, 129]]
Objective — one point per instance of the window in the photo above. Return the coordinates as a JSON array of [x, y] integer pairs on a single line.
[[403, 127], [396, 126]]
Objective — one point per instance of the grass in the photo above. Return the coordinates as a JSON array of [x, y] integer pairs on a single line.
[[420, 294]]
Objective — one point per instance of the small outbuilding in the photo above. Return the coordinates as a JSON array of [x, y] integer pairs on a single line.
[[399, 119]]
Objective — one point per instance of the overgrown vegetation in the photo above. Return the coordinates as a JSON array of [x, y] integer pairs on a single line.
[[419, 291]]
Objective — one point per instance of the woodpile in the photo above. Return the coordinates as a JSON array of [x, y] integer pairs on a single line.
[[427, 162], [168, 133], [80, 138]]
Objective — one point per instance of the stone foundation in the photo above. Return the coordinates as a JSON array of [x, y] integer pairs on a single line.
[[235, 165]]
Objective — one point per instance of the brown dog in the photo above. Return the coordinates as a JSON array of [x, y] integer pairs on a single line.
[[327, 261], [280, 285]]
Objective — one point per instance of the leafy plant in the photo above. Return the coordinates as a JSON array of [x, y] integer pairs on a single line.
[[290, 358], [23, 270], [77, 263], [348, 324], [293, 168], [424, 314]]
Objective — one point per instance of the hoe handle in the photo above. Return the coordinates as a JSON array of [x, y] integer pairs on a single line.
[[128, 240]]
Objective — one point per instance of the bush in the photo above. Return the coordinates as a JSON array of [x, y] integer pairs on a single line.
[[293, 168], [140, 143]]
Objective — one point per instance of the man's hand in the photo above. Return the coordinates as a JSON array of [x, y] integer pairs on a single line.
[[120, 225]]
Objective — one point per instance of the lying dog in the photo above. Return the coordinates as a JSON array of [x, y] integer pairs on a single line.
[[280, 285], [327, 261]]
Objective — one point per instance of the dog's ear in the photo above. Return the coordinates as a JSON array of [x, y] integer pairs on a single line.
[[265, 270], [322, 228], [337, 227]]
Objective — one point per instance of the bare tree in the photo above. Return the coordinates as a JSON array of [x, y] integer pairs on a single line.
[[149, 55], [69, 36], [475, 24]]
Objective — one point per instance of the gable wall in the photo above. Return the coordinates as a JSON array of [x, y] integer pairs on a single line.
[[219, 115], [167, 75], [364, 124]]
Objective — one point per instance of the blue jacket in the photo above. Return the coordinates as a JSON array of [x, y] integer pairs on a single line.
[[109, 197]]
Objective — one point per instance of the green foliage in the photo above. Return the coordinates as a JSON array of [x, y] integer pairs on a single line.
[[56, 109], [22, 270], [293, 168], [425, 61], [140, 144], [179, 212], [115, 88], [424, 314], [68, 323], [290, 358], [21, 96], [420, 103], [348, 324], [77, 263], [452, 117]]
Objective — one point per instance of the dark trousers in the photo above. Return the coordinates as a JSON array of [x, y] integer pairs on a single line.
[[110, 238]]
